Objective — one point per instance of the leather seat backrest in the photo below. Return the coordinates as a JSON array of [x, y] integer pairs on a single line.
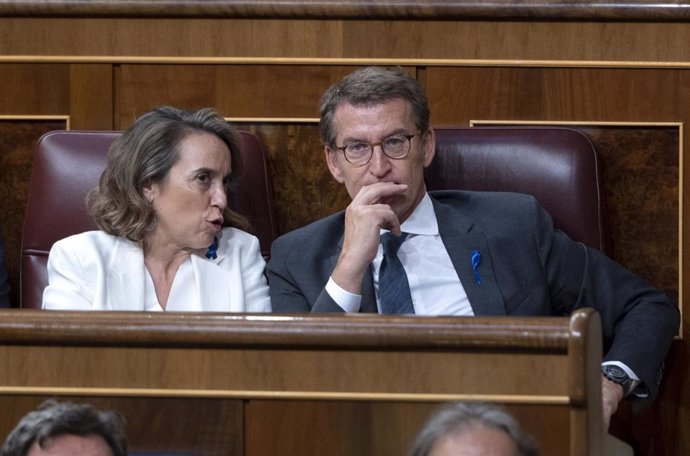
[[558, 166]]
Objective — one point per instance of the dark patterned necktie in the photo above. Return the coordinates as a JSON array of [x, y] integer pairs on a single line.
[[394, 290]]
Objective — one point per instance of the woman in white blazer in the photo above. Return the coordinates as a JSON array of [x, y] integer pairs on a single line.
[[167, 239]]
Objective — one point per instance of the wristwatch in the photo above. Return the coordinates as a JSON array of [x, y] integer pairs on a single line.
[[617, 375]]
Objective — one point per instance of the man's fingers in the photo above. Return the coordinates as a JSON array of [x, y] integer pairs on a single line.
[[611, 395], [374, 215], [372, 194], [390, 221]]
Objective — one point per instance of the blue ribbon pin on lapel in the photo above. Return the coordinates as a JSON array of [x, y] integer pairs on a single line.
[[212, 249], [476, 258]]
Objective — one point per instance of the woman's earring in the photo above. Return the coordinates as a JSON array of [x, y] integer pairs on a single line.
[[152, 225]]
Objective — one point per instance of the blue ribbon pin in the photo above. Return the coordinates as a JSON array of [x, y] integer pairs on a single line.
[[212, 249], [476, 258]]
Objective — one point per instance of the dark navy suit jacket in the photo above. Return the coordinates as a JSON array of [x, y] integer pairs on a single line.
[[527, 268]]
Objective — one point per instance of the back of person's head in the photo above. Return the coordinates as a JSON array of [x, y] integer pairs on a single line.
[[144, 155], [453, 419], [372, 86], [54, 419]]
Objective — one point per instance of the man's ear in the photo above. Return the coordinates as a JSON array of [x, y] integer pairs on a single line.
[[333, 165], [429, 146]]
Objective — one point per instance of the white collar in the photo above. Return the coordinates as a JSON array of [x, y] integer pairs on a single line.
[[422, 220]]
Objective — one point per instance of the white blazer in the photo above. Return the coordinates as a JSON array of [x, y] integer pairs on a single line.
[[97, 271]]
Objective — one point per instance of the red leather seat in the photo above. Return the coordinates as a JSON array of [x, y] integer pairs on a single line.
[[558, 166], [67, 164]]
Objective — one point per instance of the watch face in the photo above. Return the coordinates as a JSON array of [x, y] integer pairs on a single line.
[[615, 373]]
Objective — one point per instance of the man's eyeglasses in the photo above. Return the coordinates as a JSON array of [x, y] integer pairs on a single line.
[[395, 146]]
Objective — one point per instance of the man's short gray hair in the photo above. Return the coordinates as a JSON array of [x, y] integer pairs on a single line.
[[371, 86], [454, 418]]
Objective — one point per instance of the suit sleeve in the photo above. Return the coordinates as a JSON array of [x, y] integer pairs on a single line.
[[293, 287], [69, 287], [638, 321]]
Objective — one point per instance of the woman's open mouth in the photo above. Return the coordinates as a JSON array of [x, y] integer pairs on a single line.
[[217, 224]]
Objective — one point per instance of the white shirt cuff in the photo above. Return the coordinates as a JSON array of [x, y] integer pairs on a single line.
[[627, 370], [349, 302]]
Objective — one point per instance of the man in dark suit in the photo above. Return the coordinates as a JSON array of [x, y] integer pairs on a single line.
[[460, 253], [4, 286]]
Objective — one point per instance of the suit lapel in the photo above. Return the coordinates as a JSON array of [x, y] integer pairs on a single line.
[[461, 238], [211, 279], [126, 279]]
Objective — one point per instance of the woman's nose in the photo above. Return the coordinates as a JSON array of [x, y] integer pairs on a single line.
[[219, 198]]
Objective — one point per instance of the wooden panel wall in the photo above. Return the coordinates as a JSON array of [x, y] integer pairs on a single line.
[[269, 72]]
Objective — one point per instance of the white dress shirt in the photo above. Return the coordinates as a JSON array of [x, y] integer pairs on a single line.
[[434, 284]]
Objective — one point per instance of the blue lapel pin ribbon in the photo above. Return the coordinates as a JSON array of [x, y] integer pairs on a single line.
[[476, 258], [211, 253]]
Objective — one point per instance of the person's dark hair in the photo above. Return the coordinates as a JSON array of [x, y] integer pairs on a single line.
[[456, 417], [144, 155], [53, 419], [371, 86]]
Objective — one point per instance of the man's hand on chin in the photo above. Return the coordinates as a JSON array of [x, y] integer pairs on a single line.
[[364, 218]]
